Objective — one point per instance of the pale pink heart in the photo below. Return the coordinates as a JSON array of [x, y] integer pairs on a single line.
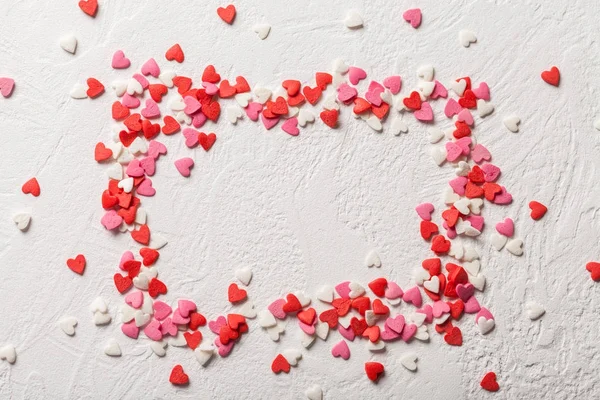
[[161, 310], [459, 184], [452, 108], [482, 92], [6, 86], [465, 291], [291, 126], [150, 67], [343, 289], [191, 137], [424, 210], [130, 330], [341, 349], [191, 105], [428, 311], [198, 119], [185, 307], [145, 188], [253, 110], [215, 326], [127, 256], [506, 227], [179, 319], [490, 172], [439, 90], [356, 75], [347, 333], [210, 88], [413, 295], [151, 110], [396, 324], [472, 305], [450, 232], [346, 92], [387, 335], [276, 308], [130, 101], [167, 327], [308, 329], [408, 332], [142, 80], [439, 308], [373, 94], [268, 122], [466, 117], [149, 165], [135, 299], [425, 114], [152, 330], [111, 220], [393, 83], [503, 197], [184, 165], [223, 349], [485, 313], [476, 221], [119, 61], [453, 151], [465, 145], [134, 169], [480, 153], [155, 149], [393, 291], [413, 16]]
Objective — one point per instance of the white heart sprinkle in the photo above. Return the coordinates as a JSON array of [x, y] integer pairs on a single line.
[[433, 284], [120, 87], [243, 99], [8, 353], [127, 313], [375, 347], [67, 324], [422, 333], [325, 294], [435, 135], [101, 318], [79, 91], [466, 37], [126, 184], [398, 126], [372, 259], [472, 267], [262, 30], [262, 94], [484, 109], [305, 116], [22, 221], [426, 72], [512, 123], [353, 20], [234, 113], [275, 331], [203, 356], [409, 361], [420, 276], [498, 241], [485, 325], [266, 319], [307, 340], [159, 348], [68, 43], [515, 246], [459, 87], [166, 77], [244, 275], [178, 340], [134, 87], [356, 290], [374, 123], [247, 310], [314, 393], [112, 348], [292, 356], [597, 124], [438, 154], [478, 281], [470, 253], [115, 172], [322, 330], [98, 305], [534, 310]]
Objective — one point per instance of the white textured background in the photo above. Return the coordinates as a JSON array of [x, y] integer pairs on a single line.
[[300, 211]]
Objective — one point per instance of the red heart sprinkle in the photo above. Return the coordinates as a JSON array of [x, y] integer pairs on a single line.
[[77, 264], [279, 107], [456, 308], [378, 286], [462, 130], [372, 332], [95, 88], [122, 283], [296, 100], [292, 304], [374, 370], [428, 229], [132, 267], [207, 141], [171, 125], [241, 85], [454, 337], [292, 86], [31, 187], [433, 265], [361, 105], [227, 14], [175, 53], [358, 326], [280, 364], [196, 320], [329, 117], [538, 210], [127, 137], [235, 320], [142, 235], [489, 382], [193, 339], [440, 245], [362, 304], [308, 316], [342, 306], [330, 317], [119, 111], [178, 377], [149, 256], [212, 109], [101, 153], [469, 100], [183, 83], [552, 77], [594, 269], [108, 200], [226, 90], [381, 110], [323, 79], [235, 294], [210, 75], [379, 308], [133, 122], [90, 7], [149, 129], [312, 95], [157, 91], [413, 102], [156, 287]]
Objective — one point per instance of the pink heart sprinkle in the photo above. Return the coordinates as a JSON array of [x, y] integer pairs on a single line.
[[396, 324], [439, 90], [476, 221], [452, 108], [179, 319], [142, 80], [184, 165], [308, 329], [347, 333], [210, 88], [161, 310], [6, 86], [373, 94], [149, 165], [223, 349], [459, 184], [119, 61], [472, 305], [413, 16], [341, 349], [465, 145], [253, 110], [151, 110], [130, 330], [145, 188], [439, 308], [291, 126], [482, 92], [356, 75], [215, 326], [167, 327], [506, 227], [480, 153], [387, 335], [485, 313], [150, 67], [134, 169], [453, 151], [135, 299], [428, 311], [152, 330], [127, 256], [503, 197], [198, 119], [343, 289], [490, 172], [393, 83], [466, 117], [191, 137], [185, 307], [130, 101], [269, 122], [393, 291], [450, 232], [425, 114], [425, 210], [413, 295], [464, 291], [191, 105], [111, 220], [276, 308], [346, 93], [155, 149], [408, 332]]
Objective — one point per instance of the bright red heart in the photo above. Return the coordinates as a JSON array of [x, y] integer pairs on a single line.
[[157, 91], [312, 95], [292, 304], [379, 308], [241, 85], [361, 304], [489, 382], [196, 320], [119, 111], [175, 53], [77, 264], [594, 269], [428, 229], [552, 77], [280, 364], [171, 125], [538, 210], [454, 337], [433, 265], [210, 75], [227, 14], [207, 141], [323, 79], [235, 320], [156, 288], [235, 294], [469, 100], [329, 117], [95, 88], [456, 308], [378, 286], [292, 86], [358, 326], [296, 100], [133, 122], [149, 256], [374, 370], [330, 317], [342, 306], [308, 316], [31, 187], [226, 90], [183, 83], [101, 153], [193, 339], [142, 235], [90, 7], [178, 377], [440, 245], [122, 283], [413, 102]]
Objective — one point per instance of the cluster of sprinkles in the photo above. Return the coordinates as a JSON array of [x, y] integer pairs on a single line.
[[356, 312]]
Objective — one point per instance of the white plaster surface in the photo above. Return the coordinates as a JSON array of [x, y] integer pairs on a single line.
[[300, 211]]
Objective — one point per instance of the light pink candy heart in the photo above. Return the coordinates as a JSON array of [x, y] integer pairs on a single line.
[[142, 80], [223, 349], [130, 101], [485, 313], [167, 327], [439, 308], [425, 210], [428, 311], [458, 184], [439, 90], [503, 197], [356, 75], [253, 110], [373, 94], [198, 119], [506, 227], [466, 117], [452, 108], [151, 110], [149, 165], [191, 137], [135, 299], [450, 232], [210, 88], [134, 169], [127, 256], [179, 319], [191, 105], [480, 153], [476, 221], [482, 91], [413, 295], [465, 291], [387, 335], [119, 61], [465, 145], [215, 326], [184, 165], [268, 122], [152, 330], [341, 349], [453, 151], [150, 67], [413, 16], [347, 333], [425, 114], [130, 330], [185, 307], [346, 93], [490, 172], [393, 83], [291, 126], [408, 332], [145, 188], [393, 291], [161, 310], [6, 86], [155, 149], [276, 308], [396, 324], [472, 305], [343, 289], [111, 220], [308, 329]]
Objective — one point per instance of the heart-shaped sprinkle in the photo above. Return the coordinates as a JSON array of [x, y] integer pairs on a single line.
[[227, 14], [119, 61], [489, 382], [413, 16], [551, 76], [538, 210], [90, 7], [178, 376]]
